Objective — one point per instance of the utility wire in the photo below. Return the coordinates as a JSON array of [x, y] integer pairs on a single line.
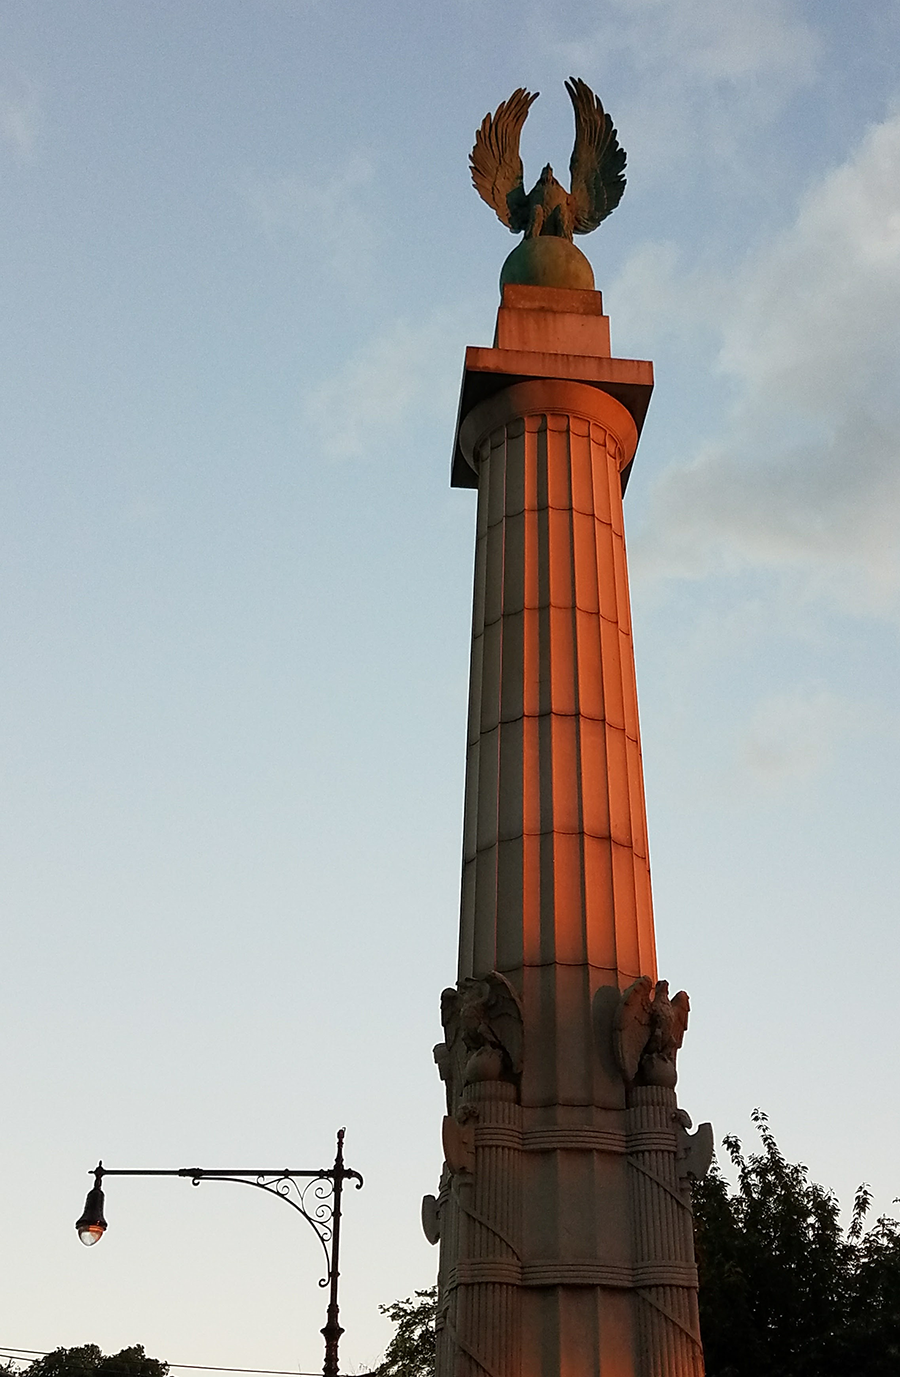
[[14, 1355]]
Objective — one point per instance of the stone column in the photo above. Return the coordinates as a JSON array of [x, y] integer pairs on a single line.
[[552, 1257], [556, 878]]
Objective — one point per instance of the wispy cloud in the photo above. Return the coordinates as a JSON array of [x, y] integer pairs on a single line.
[[20, 118], [330, 215], [806, 473], [655, 296], [696, 74], [793, 736], [411, 368]]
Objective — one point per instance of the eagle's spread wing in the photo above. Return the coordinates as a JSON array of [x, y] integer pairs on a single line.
[[631, 1026], [504, 1016], [495, 162], [681, 1007], [598, 162], [451, 1055]]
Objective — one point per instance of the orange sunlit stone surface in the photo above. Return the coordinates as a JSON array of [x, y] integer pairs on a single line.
[[552, 1251]]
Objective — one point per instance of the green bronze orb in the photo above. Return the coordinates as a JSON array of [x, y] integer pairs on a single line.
[[548, 261]]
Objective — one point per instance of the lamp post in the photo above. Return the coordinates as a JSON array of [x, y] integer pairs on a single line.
[[318, 1201]]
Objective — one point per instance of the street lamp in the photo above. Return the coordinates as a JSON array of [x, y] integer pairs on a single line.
[[92, 1226], [318, 1201]]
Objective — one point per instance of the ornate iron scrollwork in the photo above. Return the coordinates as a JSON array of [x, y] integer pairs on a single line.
[[315, 1199]]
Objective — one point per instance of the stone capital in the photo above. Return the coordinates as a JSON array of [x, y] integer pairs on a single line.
[[548, 333], [540, 397]]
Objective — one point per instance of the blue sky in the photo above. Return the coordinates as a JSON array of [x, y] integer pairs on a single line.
[[241, 261]]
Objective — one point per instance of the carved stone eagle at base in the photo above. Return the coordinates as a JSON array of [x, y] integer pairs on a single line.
[[596, 167]]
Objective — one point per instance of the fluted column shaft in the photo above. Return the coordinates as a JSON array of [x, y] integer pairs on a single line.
[[556, 881], [564, 1229]]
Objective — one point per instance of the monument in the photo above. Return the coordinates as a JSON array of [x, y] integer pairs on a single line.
[[563, 1212]]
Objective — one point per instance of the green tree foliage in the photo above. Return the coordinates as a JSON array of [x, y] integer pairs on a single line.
[[88, 1361], [785, 1291], [410, 1352]]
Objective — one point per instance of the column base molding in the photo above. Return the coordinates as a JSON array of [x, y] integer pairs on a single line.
[[578, 1272], [555, 1139]]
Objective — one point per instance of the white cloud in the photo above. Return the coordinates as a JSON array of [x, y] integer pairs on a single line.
[[410, 368], [20, 116], [697, 74], [793, 736], [331, 216], [822, 300], [730, 43], [806, 474], [654, 297]]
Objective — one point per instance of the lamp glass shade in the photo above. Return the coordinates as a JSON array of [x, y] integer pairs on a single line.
[[92, 1226]]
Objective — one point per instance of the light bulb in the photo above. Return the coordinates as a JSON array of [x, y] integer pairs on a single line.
[[92, 1226]]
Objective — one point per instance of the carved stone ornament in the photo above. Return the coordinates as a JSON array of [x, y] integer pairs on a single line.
[[430, 1223], [648, 1030], [695, 1150], [458, 1141], [482, 1021]]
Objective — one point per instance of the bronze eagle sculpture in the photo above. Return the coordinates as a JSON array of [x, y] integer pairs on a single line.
[[597, 169]]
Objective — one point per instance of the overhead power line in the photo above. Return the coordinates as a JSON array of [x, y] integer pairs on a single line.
[[16, 1355]]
